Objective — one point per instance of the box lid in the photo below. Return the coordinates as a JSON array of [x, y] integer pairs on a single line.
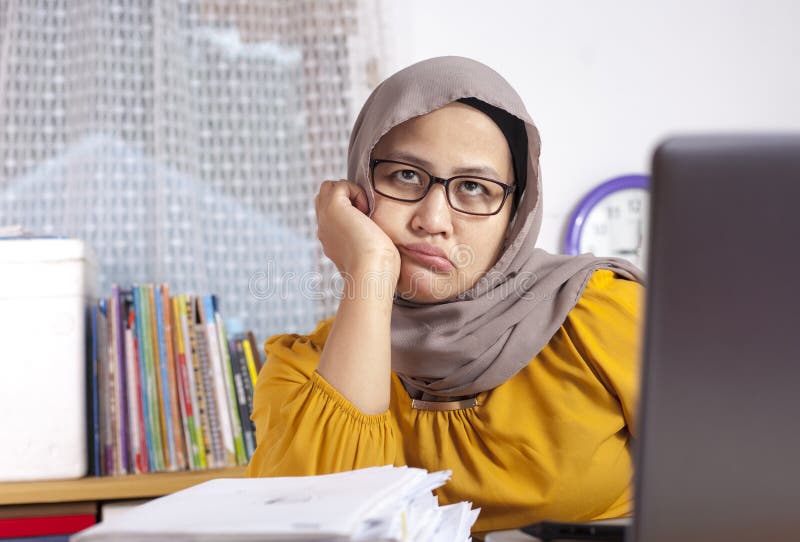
[[46, 267], [43, 249]]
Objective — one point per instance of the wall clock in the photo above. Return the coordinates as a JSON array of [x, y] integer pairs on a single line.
[[611, 220]]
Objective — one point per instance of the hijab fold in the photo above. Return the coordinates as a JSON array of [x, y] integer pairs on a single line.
[[487, 334]]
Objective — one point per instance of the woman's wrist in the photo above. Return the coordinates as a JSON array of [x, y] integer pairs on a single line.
[[374, 276], [371, 283], [377, 261]]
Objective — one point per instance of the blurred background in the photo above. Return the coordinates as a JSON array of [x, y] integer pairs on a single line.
[[185, 140]]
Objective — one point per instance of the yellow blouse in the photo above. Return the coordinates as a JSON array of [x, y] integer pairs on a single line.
[[553, 442]]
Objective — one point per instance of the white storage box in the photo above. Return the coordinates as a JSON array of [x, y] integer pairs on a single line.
[[45, 287]]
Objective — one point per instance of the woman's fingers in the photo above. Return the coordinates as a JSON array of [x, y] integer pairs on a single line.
[[331, 190], [357, 196]]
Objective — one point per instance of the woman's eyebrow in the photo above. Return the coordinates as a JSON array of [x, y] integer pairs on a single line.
[[482, 170]]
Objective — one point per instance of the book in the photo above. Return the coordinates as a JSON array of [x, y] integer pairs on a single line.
[[244, 392], [137, 451], [220, 395], [249, 391], [206, 400], [146, 382], [104, 380], [184, 391], [162, 372], [252, 371], [93, 403], [172, 372], [230, 387], [120, 385], [111, 465], [140, 402], [201, 430], [154, 373], [256, 350]]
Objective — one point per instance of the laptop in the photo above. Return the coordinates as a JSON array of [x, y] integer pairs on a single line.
[[719, 450], [718, 456]]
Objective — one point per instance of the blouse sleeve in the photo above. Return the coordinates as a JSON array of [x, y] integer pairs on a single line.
[[605, 326], [304, 426]]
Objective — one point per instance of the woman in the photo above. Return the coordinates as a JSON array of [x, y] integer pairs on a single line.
[[458, 345]]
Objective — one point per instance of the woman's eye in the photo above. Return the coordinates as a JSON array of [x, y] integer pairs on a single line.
[[473, 188], [407, 176]]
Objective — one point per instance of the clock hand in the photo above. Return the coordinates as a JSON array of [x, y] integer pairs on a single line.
[[639, 229]]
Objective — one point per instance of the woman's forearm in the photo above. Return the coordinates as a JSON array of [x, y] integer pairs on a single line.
[[356, 359]]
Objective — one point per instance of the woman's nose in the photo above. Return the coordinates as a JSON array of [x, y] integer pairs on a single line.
[[433, 212]]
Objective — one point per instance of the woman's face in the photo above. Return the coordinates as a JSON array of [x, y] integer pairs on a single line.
[[454, 140]]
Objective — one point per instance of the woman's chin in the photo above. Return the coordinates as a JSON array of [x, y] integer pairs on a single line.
[[423, 286]]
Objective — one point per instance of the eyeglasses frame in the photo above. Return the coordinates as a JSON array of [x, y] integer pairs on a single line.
[[507, 188]]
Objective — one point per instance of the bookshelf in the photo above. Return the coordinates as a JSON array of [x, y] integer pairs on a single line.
[[108, 488]]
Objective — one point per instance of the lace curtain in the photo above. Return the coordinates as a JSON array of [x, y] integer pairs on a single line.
[[185, 140]]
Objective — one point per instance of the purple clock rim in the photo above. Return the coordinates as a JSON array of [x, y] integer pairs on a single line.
[[578, 218]]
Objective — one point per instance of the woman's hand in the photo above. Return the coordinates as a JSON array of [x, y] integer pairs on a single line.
[[349, 237]]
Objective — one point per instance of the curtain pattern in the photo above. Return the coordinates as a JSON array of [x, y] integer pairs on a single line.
[[185, 140]]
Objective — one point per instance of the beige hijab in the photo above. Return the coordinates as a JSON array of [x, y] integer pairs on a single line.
[[489, 333]]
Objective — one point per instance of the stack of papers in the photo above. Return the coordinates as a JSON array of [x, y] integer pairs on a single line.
[[374, 504]]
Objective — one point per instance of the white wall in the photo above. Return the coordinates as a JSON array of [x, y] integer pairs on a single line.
[[604, 81]]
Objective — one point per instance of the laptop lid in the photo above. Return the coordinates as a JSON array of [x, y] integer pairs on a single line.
[[719, 452]]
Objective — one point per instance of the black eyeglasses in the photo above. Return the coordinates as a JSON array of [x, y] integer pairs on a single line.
[[465, 193]]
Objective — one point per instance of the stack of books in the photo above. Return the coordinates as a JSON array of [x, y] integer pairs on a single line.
[[171, 384], [373, 504]]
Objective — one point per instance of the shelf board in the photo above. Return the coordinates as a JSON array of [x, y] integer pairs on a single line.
[[109, 488]]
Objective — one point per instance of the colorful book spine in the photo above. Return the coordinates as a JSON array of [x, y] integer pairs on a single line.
[[121, 380], [146, 381], [249, 388], [165, 388], [140, 402], [250, 360], [138, 450], [112, 465], [184, 396], [230, 386], [94, 400], [220, 382], [216, 443], [241, 380], [142, 415], [103, 378], [136, 328], [113, 459], [191, 375], [178, 416], [153, 367], [256, 350], [200, 396]]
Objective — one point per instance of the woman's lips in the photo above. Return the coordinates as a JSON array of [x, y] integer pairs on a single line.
[[429, 255]]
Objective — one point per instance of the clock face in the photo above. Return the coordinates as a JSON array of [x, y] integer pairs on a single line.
[[612, 221], [616, 226]]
